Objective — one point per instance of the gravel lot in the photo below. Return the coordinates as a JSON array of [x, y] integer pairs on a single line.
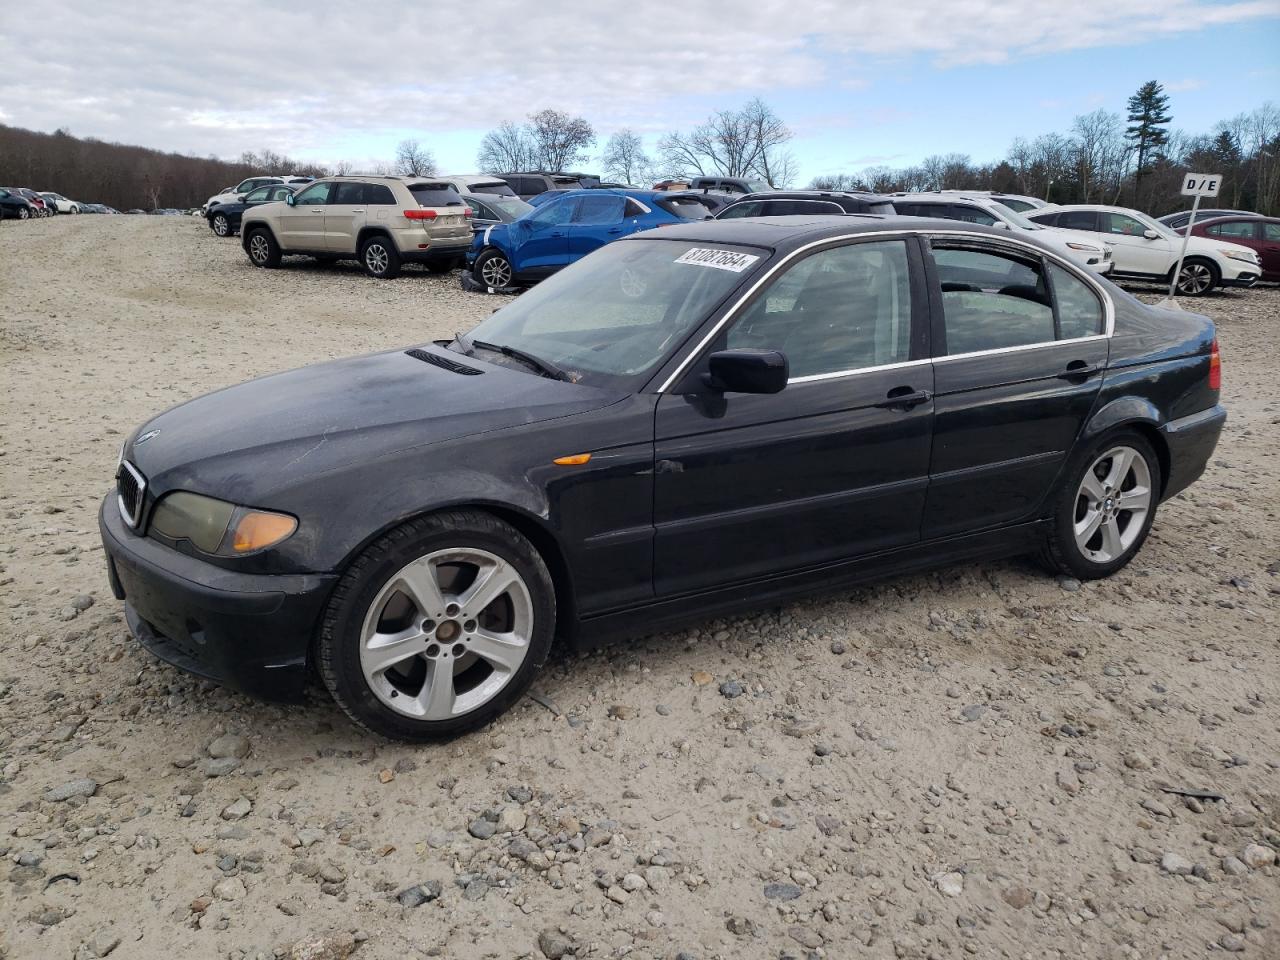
[[971, 762]]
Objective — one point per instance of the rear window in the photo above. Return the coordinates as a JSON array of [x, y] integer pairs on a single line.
[[497, 188], [686, 208], [436, 195]]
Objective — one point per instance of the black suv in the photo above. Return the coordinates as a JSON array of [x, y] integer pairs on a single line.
[[526, 185], [787, 203]]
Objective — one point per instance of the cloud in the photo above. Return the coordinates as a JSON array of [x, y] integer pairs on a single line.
[[1182, 86], [222, 78]]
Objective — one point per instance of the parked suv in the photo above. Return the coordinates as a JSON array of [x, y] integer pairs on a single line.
[[977, 208], [728, 184], [232, 194], [1259, 234], [1146, 249], [381, 221], [528, 185], [1177, 222], [483, 183], [61, 203], [786, 203]]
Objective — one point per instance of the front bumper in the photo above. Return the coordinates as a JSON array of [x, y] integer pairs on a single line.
[[1191, 441], [250, 632], [1243, 280]]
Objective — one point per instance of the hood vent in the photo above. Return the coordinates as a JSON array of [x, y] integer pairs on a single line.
[[443, 363]]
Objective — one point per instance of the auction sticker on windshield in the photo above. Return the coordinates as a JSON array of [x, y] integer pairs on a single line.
[[720, 259]]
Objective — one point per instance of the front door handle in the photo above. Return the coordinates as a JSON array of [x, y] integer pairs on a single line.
[[361, 210], [1079, 370], [557, 234], [903, 398], [317, 209], [615, 230]]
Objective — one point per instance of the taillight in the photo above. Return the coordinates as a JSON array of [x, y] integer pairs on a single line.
[[467, 212], [1215, 367], [419, 214]]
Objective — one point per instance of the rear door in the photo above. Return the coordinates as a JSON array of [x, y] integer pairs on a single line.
[[345, 216], [597, 220], [833, 467], [1019, 349], [301, 226]]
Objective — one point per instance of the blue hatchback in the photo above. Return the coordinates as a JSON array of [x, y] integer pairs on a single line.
[[566, 229]]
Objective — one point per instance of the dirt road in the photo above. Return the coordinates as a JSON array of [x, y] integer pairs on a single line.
[[982, 761]]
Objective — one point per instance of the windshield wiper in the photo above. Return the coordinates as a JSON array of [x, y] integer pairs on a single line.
[[545, 367]]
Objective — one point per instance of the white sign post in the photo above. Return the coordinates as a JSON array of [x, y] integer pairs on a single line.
[[1195, 185]]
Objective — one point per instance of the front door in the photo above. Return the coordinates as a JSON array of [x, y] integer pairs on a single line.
[[833, 467], [1019, 350], [597, 220], [302, 223], [1134, 252], [543, 237], [1270, 250]]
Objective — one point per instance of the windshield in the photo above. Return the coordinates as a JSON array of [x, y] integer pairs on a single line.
[[1014, 217], [613, 317]]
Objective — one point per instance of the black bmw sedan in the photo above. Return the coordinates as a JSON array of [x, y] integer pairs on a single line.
[[224, 218], [687, 422]]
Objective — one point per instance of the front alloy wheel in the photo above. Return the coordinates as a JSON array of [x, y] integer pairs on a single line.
[[221, 226], [1195, 279], [494, 270], [24, 213]]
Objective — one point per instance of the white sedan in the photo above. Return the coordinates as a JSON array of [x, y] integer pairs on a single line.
[[1146, 249]]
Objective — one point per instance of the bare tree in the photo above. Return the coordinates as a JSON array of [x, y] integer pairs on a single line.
[[507, 149], [414, 160], [561, 141], [732, 143], [343, 167], [624, 158]]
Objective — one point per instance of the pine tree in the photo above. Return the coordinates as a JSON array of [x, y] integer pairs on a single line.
[[1225, 149], [1148, 118]]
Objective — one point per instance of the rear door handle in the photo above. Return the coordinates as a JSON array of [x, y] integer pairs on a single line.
[[317, 209], [1079, 370], [615, 230], [903, 398]]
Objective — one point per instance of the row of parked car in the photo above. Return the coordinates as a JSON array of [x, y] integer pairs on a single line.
[[23, 203], [508, 235]]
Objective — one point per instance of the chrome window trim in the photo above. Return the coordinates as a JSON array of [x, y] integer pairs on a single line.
[[131, 520], [836, 374], [1108, 306]]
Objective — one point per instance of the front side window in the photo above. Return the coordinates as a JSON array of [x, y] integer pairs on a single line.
[[792, 208], [557, 213], [842, 309], [245, 186], [992, 300], [599, 209], [1271, 231], [1122, 224], [257, 196], [1240, 229], [315, 195]]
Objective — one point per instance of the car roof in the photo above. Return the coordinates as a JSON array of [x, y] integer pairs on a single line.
[[1103, 207], [470, 178], [789, 232], [1237, 215], [813, 195], [646, 195]]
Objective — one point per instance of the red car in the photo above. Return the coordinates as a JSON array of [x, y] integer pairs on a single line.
[[1259, 233]]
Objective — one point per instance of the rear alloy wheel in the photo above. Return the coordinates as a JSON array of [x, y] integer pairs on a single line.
[[221, 225], [262, 249], [438, 627], [1105, 509], [493, 270], [380, 258], [1197, 278]]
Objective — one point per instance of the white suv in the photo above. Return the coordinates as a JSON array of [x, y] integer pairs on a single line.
[[975, 208], [1146, 249], [232, 194], [383, 222], [62, 203]]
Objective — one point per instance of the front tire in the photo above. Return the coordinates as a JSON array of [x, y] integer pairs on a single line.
[[24, 213], [438, 627], [1105, 507], [262, 249], [1198, 277], [221, 225], [380, 258], [492, 269]]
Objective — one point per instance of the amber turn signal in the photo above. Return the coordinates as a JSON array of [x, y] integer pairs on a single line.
[[257, 529], [576, 460]]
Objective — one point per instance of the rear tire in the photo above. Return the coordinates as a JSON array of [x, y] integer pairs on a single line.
[[380, 258], [1105, 507], [1199, 276], [262, 249], [404, 654]]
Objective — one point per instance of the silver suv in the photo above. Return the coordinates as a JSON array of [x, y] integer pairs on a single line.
[[383, 222]]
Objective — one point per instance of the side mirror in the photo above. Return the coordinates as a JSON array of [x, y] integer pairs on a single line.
[[747, 371], [289, 200], [1150, 235], [1000, 225]]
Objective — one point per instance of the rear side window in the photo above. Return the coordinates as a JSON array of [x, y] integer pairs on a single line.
[[1240, 229], [972, 215], [1078, 220], [254, 196], [436, 195], [280, 192], [795, 208], [883, 209], [348, 193], [599, 209], [379, 194], [1079, 309], [992, 300]]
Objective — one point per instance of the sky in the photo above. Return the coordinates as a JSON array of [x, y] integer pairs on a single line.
[[859, 83]]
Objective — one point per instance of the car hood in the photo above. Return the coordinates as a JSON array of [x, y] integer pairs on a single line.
[[1211, 244], [242, 442]]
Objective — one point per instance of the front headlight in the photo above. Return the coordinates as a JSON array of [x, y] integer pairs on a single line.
[[1245, 256], [1083, 246], [217, 527]]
